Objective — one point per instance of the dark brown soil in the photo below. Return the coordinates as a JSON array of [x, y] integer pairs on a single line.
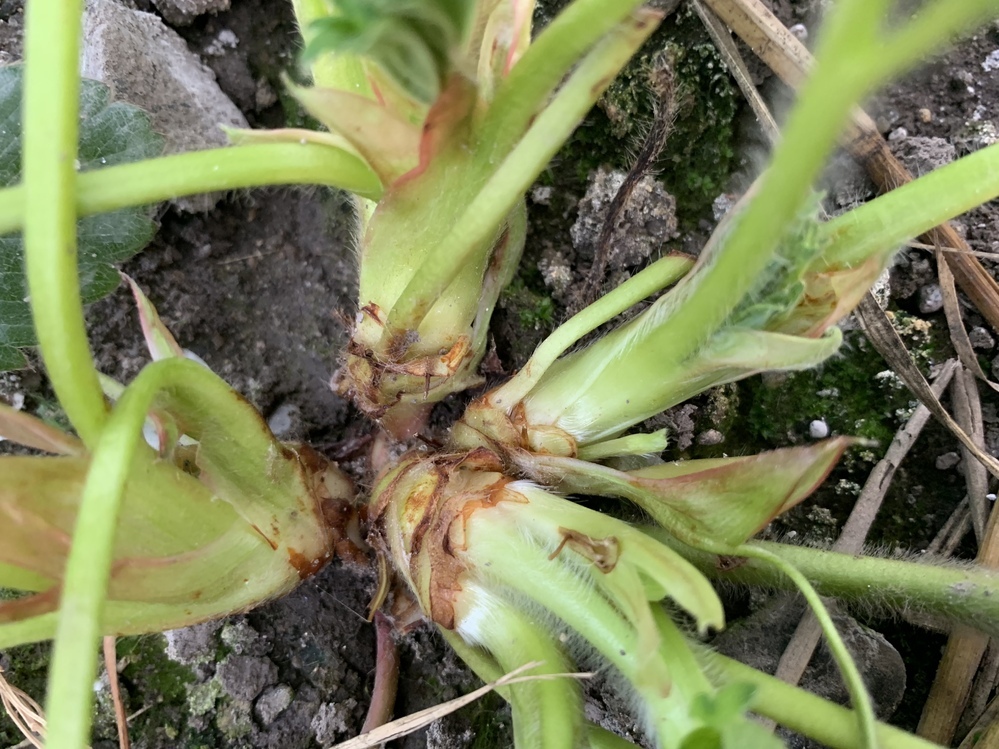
[[259, 288]]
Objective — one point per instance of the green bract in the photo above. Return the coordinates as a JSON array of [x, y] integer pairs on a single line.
[[266, 511]]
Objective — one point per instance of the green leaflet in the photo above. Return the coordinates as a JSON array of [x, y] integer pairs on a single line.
[[725, 723], [413, 41], [110, 133], [780, 287]]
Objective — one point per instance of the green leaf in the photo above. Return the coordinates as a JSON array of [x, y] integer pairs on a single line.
[[413, 41], [725, 723], [10, 357], [110, 134]]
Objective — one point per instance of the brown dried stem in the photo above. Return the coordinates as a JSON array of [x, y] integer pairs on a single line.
[[24, 712], [120, 715]]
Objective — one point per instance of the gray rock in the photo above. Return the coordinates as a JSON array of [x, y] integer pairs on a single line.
[[760, 639], [272, 702], [710, 437], [243, 677], [910, 272], [930, 298], [11, 30], [264, 96], [556, 271], [680, 420], [242, 639], [149, 65], [439, 737], [192, 645], [647, 221], [721, 205], [981, 338], [333, 721], [976, 135], [183, 12], [922, 155], [947, 461]]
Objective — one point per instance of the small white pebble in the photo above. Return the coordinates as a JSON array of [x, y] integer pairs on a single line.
[[818, 429], [930, 299], [990, 497], [800, 31], [284, 419]]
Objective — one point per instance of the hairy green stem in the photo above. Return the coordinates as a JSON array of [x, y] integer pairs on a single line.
[[50, 131], [543, 66], [851, 61], [339, 71], [486, 668], [229, 168], [803, 711], [546, 713], [88, 567], [967, 594], [651, 443], [704, 300], [665, 691]]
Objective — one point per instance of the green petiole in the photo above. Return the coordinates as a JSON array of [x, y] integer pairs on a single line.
[[229, 168], [862, 705], [50, 133]]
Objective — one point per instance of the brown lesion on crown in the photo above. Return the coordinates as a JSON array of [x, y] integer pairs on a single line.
[[378, 383], [602, 552], [446, 491]]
